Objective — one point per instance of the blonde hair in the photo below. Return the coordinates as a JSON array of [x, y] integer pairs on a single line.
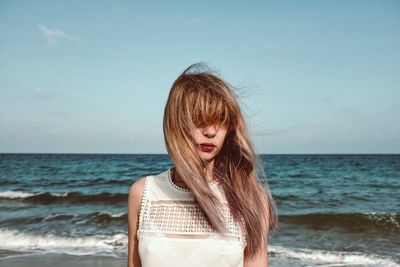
[[200, 98]]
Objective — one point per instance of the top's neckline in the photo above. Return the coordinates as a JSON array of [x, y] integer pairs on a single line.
[[175, 186]]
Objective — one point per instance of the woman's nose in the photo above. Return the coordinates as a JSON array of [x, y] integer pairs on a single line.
[[210, 131]]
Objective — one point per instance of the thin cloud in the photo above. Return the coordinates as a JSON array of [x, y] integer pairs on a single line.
[[51, 95], [55, 131], [271, 45], [132, 138], [274, 42], [52, 36], [326, 99], [59, 113], [273, 132], [189, 20]]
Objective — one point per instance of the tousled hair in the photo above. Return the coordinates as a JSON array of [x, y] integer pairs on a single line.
[[198, 98]]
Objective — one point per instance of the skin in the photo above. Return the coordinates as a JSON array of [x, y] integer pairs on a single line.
[[209, 134]]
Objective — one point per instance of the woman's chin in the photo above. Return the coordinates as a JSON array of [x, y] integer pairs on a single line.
[[206, 156]]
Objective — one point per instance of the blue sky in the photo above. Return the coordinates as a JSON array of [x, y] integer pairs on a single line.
[[94, 76]]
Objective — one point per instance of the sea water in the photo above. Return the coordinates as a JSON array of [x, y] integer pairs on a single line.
[[334, 210]]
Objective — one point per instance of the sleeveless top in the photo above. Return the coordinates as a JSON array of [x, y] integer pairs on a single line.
[[173, 230]]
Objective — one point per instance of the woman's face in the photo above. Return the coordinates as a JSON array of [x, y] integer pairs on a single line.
[[209, 140]]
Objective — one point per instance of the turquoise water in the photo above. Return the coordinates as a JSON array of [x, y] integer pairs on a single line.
[[333, 209]]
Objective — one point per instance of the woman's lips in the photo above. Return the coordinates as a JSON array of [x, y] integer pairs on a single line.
[[207, 147], [207, 144]]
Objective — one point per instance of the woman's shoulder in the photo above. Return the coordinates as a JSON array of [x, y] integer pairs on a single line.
[[136, 193], [137, 187]]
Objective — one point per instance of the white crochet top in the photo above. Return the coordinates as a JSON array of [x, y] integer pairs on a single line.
[[173, 230]]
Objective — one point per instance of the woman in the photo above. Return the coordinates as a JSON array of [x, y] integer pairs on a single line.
[[211, 208]]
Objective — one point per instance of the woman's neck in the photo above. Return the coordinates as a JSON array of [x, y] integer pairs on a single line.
[[176, 178]]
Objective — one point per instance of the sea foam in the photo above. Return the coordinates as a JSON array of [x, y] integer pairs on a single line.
[[332, 258], [15, 240], [116, 246], [21, 194]]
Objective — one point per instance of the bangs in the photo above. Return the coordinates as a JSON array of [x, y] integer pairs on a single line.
[[207, 107]]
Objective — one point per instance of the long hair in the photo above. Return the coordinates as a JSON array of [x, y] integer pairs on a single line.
[[199, 98]]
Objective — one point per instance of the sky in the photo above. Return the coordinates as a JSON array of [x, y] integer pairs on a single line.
[[94, 76]]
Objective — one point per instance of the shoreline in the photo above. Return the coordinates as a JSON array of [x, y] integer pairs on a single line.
[[50, 259]]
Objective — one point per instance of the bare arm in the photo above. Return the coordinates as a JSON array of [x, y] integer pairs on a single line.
[[134, 204]]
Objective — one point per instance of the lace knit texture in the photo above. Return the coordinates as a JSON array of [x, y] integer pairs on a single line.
[[173, 230]]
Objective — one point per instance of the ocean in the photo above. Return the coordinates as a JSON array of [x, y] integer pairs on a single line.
[[334, 210]]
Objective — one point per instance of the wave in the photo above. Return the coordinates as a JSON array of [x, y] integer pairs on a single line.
[[15, 194], [107, 217], [358, 222], [95, 217], [116, 245], [330, 258], [21, 194], [58, 217], [71, 197], [285, 197], [14, 240], [297, 175], [8, 182]]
